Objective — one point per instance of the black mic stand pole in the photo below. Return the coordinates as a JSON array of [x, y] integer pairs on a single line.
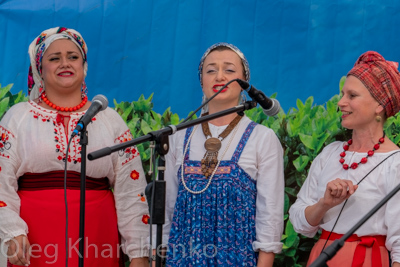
[[157, 207], [333, 248], [169, 130], [83, 142], [157, 188]]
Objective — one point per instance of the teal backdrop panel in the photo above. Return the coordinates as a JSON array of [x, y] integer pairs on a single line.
[[296, 48]]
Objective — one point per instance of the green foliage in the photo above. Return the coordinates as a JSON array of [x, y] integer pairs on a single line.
[[303, 131], [7, 99], [141, 120]]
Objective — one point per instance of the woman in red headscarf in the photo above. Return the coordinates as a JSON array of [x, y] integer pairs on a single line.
[[347, 179]]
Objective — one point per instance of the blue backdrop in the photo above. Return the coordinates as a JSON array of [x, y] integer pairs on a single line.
[[296, 48]]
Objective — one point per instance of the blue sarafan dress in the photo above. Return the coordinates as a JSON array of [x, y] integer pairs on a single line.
[[216, 227]]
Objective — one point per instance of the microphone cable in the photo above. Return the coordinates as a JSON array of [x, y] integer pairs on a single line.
[[152, 199], [89, 114], [208, 100], [341, 210], [66, 202]]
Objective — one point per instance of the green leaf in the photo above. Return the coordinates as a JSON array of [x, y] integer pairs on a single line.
[[5, 90], [126, 113], [145, 127], [301, 162], [290, 252], [20, 97], [132, 123], [308, 141], [4, 105], [321, 141], [341, 83], [175, 119], [299, 104], [291, 191]]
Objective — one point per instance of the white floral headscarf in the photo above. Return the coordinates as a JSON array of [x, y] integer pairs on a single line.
[[37, 49]]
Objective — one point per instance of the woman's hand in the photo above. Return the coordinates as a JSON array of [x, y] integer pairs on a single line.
[[338, 191], [265, 259], [162, 255], [139, 262], [18, 252]]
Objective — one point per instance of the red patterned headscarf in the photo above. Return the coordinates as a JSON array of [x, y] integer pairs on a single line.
[[382, 79]]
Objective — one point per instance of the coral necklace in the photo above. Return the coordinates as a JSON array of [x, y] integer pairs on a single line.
[[364, 160], [58, 108]]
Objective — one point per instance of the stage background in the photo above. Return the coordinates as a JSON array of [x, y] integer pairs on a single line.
[[296, 48]]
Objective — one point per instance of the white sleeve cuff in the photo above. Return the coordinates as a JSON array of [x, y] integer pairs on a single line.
[[275, 247], [300, 224]]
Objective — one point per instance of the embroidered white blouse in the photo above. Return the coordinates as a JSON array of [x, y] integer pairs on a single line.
[[326, 167], [262, 159], [33, 141]]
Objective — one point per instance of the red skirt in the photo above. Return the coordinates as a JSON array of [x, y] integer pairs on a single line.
[[347, 254], [44, 213]]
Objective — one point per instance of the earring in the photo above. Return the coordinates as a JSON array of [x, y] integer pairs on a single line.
[[242, 98], [41, 89], [84, 90], [378, 118], [204, 109], [203, 99]]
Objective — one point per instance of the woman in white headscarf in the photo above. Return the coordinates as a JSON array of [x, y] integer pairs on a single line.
[[34, 137]]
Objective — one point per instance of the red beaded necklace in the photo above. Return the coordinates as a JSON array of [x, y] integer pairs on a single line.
[[364, 160], [58, 108]]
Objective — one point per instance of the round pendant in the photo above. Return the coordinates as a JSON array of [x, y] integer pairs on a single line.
[[212, 144]]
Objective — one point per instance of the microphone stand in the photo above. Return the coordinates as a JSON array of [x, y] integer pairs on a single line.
[[171, 129], [333, 248], [83, 142], [157, 188], [161, 139]]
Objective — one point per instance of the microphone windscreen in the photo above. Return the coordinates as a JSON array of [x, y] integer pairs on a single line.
[[102, 99], [274, 109]]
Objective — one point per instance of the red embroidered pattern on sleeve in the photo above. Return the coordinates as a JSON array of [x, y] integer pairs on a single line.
[[135, 175], [3, 204], [5, 143], [142, 197], [145, 219], [130, 152]]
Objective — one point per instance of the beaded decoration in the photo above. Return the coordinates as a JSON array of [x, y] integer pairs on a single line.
[[364, 160], [62, 109]]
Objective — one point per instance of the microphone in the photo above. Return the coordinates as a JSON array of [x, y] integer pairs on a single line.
[[208, 100], [99, 103], [270, 106]]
